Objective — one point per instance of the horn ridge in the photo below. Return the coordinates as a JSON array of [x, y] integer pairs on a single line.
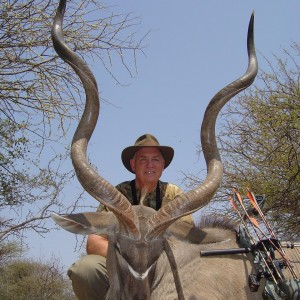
[[91, 181], [195, 199]]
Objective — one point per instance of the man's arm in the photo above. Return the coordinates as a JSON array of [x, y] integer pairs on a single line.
[[97, 244]]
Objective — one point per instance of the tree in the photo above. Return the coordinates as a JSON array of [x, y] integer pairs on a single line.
[[8, 252], [40, 97], [259, 141], [27, 279]]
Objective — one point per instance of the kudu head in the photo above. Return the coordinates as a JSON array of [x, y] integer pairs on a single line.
[[137, 234]]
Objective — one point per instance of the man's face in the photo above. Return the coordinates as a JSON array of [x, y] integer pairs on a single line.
[[148, 165]]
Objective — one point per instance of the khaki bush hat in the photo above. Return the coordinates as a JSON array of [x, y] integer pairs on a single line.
[[146, 140]]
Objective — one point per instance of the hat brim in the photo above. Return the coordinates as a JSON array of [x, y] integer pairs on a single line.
[[128, 153]]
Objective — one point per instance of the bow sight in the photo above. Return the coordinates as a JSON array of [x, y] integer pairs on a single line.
[[270, 259]]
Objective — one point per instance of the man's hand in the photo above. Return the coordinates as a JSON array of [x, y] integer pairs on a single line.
[[97, 244]]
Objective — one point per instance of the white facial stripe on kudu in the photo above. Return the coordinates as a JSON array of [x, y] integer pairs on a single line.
[[137, 275]]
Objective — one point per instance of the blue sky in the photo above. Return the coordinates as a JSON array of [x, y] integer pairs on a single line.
[[193, 50]]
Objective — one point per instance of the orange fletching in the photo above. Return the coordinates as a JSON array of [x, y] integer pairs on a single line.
[[238, 195], [232, 202], [254, 221], [252, 200]]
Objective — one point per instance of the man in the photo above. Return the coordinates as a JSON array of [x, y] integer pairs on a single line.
[[146, 159]]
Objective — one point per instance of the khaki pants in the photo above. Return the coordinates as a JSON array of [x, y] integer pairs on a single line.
[[89, 277]]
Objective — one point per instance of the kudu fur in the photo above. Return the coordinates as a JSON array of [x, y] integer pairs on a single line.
[[138, 235]]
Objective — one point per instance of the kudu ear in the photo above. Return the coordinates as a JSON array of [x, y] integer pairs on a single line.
[[87, 223]]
